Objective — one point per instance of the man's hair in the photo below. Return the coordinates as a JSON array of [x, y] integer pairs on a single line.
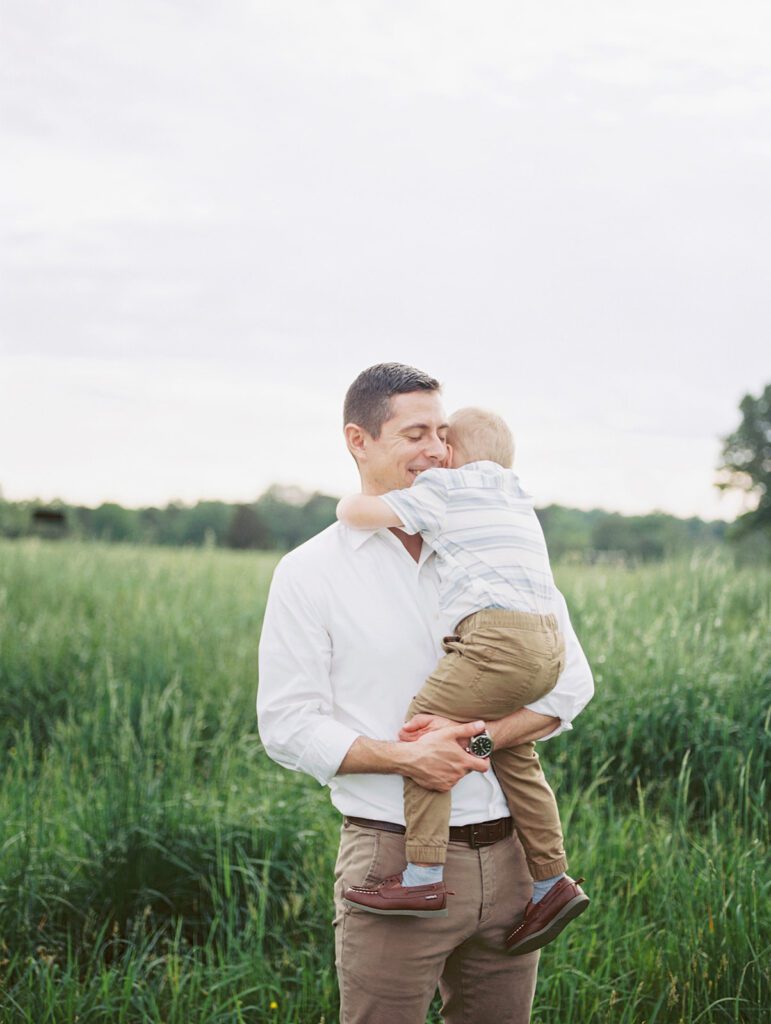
[[368, 399], [479, 435]]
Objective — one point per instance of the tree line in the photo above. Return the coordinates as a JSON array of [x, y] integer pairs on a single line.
[[282, 518]]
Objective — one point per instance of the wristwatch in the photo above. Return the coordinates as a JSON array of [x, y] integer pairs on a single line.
[[481, 745]]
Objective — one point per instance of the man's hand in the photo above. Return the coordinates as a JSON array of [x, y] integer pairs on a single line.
[[433, 751], [439, 758]]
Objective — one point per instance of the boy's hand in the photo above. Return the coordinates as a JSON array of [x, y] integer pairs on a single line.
[[420, 725]]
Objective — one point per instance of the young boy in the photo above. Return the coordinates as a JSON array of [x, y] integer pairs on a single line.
[[506, 652]]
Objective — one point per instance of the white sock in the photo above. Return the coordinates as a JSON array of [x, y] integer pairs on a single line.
[[418, 874], [545, 885]]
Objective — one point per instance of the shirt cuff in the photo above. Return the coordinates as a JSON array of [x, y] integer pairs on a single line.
[[329, 744], [562, 727], [556, 705]]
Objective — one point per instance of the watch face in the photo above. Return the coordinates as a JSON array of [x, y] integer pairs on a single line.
[[481, 746]]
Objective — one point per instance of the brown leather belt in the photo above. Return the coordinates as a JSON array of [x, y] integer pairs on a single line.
[[481, 833]]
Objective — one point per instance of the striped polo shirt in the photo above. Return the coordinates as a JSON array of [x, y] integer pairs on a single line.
[[490, 546]]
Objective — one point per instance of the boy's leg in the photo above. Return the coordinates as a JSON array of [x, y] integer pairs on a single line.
[[494, 669], [520, 655], [503, 661], [533, 809], [420, 890], [446, 692]]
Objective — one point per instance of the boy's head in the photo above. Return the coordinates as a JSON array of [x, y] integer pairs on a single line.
[[477, 435]]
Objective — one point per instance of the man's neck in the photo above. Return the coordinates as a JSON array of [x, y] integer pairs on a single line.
[[412, 542]]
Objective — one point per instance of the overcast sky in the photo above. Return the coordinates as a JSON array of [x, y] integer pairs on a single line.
[[214, 215]]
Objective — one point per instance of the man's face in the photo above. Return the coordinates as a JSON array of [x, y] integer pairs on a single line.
[[413, 439]]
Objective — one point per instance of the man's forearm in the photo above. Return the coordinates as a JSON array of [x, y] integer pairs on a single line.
[[436, 761], [380, 757], [521, 726]]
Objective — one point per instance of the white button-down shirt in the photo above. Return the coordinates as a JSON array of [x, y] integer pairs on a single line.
[[352, 629]]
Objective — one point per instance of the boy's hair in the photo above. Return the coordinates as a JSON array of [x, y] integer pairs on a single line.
[[368, 399], [479, 435]]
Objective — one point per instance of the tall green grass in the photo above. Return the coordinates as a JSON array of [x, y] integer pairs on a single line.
[[151, 868]]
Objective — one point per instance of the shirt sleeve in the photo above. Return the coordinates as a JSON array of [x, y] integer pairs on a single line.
[[295, 704], [575, 686], [423, 506]]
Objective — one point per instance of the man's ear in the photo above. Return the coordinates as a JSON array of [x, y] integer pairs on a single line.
[[356, 438], [447, 460]]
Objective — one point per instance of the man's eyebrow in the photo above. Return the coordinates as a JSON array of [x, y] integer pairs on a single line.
[[426, 426]]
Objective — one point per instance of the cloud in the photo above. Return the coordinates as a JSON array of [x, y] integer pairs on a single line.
[[561, 209]]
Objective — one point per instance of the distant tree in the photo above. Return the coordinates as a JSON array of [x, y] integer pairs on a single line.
[[567, 530], [113, 522], [171, 524], [248, 529], [284, 519], [207, 519], [150, 524], [318, 514], [14, 518], [746, 461]]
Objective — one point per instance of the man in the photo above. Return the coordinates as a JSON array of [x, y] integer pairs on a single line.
[[351, 630]]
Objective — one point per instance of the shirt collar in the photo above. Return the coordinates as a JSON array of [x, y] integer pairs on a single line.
[[357, 537]]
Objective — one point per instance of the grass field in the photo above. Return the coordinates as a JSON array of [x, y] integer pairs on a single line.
[[150, 867]]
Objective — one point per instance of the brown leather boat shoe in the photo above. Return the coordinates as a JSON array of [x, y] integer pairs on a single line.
[[391, 897], [543, 921]]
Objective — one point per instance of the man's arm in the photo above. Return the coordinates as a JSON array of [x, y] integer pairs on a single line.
[[294, 698], [295, 704], [575, 686], [521, 726], [366, 512], [437, 761]]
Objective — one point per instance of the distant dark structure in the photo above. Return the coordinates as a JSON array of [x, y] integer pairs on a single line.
[[49, 522]]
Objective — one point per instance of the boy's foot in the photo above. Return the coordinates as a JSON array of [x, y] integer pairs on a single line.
[[543, 921], [391, 897]]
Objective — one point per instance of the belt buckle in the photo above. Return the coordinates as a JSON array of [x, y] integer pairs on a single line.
[[475, 837], [480, 836]]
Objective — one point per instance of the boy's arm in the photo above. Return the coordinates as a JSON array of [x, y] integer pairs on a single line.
[[420, 508], [366, 512]]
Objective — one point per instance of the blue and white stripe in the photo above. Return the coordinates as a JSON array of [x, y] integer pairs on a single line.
[[490, 546]]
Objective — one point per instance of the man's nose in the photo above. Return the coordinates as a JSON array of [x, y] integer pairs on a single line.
[[436, 448]]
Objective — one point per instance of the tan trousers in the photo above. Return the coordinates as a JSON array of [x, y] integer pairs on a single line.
[[388, 967], [498, 662]]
